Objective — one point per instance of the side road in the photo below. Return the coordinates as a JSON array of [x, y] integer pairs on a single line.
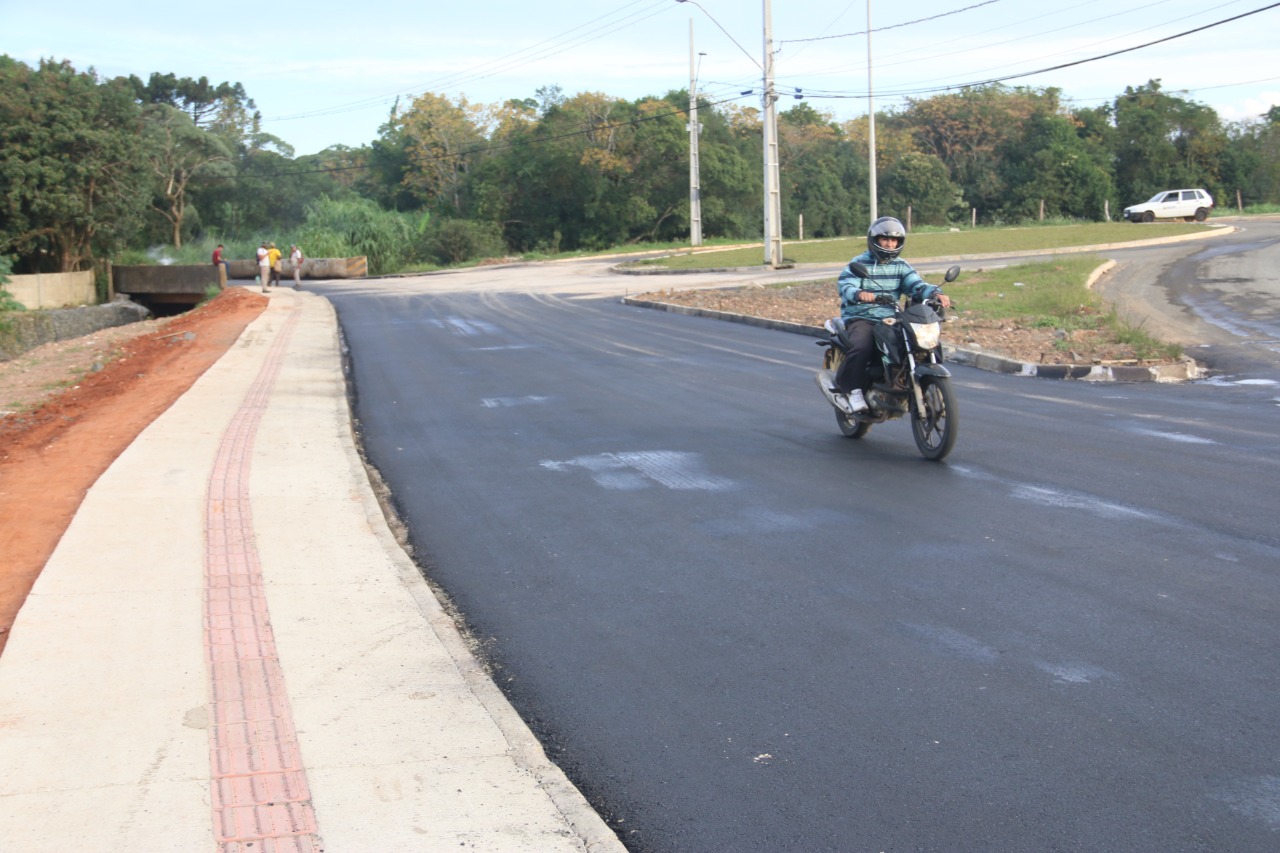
[[228, 650]]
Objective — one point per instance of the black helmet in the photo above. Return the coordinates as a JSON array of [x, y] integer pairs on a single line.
[[886, 226]]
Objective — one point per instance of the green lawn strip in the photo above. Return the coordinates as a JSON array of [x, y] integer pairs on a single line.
[[939, 244], [1050, 294]]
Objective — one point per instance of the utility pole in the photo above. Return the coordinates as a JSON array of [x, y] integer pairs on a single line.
[[772, 178], [695, 188], [871, 123]]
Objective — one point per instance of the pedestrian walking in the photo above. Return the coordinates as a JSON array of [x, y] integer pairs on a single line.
[[295, 255], [264, 267], [274, 255]]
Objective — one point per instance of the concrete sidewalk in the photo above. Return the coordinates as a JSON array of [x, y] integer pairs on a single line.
[[228, 650]]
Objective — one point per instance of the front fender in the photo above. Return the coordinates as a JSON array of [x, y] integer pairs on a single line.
[[938, 370]]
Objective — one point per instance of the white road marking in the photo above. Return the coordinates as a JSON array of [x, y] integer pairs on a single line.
[[641, 469], [510, 402], [1182, 437]]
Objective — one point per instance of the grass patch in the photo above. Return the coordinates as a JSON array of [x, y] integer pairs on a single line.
[[1049, 295], [1052, 295], [940, 244], [1135, 336], [211, 292], [1040, 294]]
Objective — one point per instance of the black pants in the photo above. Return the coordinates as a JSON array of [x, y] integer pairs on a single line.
[[862, 347]]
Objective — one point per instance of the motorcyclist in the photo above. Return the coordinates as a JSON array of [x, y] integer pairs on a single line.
[[889, 276]]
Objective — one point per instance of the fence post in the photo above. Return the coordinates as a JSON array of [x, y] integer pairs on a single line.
[[1106, 209], [973, 217], [908, 218], [801, 226], [1239, 204], [1042, 210]]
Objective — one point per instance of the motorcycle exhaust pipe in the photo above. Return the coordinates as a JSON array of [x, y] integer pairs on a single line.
[[826, 380]]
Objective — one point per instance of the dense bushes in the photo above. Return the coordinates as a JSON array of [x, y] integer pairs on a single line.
[[454, 241], [357, 226]]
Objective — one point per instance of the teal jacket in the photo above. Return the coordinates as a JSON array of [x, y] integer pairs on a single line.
[[890, 278]]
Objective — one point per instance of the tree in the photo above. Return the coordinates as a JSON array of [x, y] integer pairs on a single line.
[[1251, 162], [179, 153], [967, 130], [1165, 142], [199, 99], [731, 176], [1051, 162], [439, 135], [919, 182], [73, 176], [822, 179]]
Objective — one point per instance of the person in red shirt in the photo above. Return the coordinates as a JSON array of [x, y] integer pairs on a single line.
[[218, 260]]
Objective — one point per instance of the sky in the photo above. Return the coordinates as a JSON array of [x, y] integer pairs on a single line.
[[325, 73]]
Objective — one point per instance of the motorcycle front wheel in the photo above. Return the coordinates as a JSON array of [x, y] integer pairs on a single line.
[[851, 427], [935, 428]]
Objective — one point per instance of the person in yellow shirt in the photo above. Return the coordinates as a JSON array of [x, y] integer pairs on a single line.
[[273, 255]]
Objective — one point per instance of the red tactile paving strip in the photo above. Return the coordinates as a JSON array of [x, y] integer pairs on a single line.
[[261, 800]]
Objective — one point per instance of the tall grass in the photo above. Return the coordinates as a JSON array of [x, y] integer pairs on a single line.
[[352, 227]]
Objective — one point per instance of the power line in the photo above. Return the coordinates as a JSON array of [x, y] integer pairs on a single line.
[[1093, 44], [990, 81], [891, 26]]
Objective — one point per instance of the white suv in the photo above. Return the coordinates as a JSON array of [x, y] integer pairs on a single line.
[[1172, 204]]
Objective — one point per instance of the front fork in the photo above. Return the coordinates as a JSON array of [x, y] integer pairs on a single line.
[[915, 384]]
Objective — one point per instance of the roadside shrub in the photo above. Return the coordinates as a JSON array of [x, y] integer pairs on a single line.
[[357, 226], [7, 302], [454, 241]]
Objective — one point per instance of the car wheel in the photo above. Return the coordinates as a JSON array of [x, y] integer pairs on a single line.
[[1201, 214], [1149, 216]]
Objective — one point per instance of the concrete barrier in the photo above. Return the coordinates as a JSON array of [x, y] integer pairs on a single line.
[[173, 278], [311, 268], [53, 290]]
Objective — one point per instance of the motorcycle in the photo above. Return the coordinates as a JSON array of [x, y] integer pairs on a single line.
[[908, 379]]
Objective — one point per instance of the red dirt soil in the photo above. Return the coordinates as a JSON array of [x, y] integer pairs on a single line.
[[52, 454]]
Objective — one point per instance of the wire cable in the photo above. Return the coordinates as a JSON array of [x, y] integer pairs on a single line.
[[930, 90], [891, 26]]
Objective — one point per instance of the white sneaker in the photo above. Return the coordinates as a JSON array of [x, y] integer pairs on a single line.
[[857, 403]]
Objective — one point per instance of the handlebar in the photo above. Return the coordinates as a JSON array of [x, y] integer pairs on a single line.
[[882, 299]]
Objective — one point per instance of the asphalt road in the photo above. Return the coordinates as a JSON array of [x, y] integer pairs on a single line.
[[739, 631], [1219, 298]]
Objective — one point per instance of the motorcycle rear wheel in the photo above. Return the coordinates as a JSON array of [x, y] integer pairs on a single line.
[[851, 427], [935, 428]]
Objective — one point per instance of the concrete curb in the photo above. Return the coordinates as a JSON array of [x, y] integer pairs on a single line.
[[1181, 372]]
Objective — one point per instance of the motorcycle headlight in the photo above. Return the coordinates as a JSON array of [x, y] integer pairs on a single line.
[[927, 335]]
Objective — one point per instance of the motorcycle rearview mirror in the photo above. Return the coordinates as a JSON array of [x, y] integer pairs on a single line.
[[859, 270], [952, 274]]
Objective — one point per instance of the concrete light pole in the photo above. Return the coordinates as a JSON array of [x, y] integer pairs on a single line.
[[871, 121], [695, 188], [772, 177]]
